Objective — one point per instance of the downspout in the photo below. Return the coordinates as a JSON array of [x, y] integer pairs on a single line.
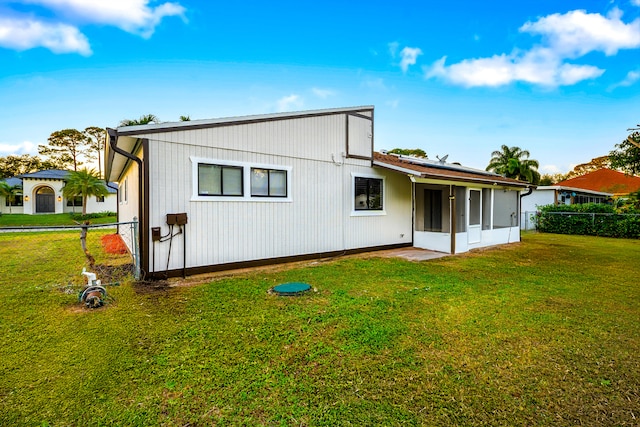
[[113, 139], [452, 218], [117, 203], [528, 193]]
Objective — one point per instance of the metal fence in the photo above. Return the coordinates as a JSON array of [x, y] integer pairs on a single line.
[[584, 223], [528, 220], [127, 230]]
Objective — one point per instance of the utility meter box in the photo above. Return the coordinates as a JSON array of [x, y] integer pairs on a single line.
[[177, 219]]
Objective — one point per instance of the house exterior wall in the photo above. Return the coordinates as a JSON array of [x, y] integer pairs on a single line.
[[128, 202], [110, 204], [537, 198], [318, 215], [31, 186], [5, 209]]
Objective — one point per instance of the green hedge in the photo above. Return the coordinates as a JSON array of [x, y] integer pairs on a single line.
[[80, 217], [588, 219]]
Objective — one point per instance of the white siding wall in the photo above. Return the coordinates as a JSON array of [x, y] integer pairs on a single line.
[[316, 219], [128, 207]]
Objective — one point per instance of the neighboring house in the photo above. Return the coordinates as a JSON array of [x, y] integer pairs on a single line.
[[599, 186], [224, 193], [42, 193], [605, 180], [557, 195]]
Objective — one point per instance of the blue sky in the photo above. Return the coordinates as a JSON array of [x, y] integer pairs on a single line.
[[560, 79]]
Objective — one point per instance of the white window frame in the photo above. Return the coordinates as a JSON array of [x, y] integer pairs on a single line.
[[246, 181], [352, 200], [123, 193]]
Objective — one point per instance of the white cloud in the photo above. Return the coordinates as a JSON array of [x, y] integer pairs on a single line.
[[630, 79], [635, 2], [500, 70], [409, 56], [393, 103], [577, 33], [134, 16], [322, 93], [289, 103], [23, 34], [25, 147], [374, 83], [550, 169], [565, 37]]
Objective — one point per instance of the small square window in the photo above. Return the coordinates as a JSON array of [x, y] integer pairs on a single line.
[[17, 201], [74, 201], [368, 194], [100, 199]]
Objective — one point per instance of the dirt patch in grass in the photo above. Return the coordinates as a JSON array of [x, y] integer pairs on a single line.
[[151, 286]]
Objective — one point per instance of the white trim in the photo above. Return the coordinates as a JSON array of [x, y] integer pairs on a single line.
[[246, 181], [352, 199]]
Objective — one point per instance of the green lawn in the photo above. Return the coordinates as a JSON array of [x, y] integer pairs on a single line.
[[19, 220], [545, 332]]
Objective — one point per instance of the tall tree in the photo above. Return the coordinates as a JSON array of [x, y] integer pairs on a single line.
[[85, 183], [550, 179], [10, 192], [143, 120], [514, 162], [591, 166], [416, 152], [96, 139], [185, 118], [66, 148], [626, 156], [14, 165]]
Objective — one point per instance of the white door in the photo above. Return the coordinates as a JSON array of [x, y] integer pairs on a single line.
[[474, 226]]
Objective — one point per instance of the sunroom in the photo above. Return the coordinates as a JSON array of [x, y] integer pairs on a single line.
[[455, 208]]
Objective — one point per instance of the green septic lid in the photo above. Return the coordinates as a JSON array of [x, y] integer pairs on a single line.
[[293, 288]]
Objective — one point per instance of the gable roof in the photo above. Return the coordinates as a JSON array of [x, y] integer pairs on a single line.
[[605, 180], [46, 174], [435, 170]]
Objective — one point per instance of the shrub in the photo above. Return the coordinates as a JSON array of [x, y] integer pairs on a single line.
[[588, 219], [80, 217]]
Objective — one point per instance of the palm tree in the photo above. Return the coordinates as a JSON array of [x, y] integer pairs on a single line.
[[10, 192], [85, 183], [514, 162], [143, 120]]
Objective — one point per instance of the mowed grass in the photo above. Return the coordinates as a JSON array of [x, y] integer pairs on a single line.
[[545, 332], [24, 220]]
